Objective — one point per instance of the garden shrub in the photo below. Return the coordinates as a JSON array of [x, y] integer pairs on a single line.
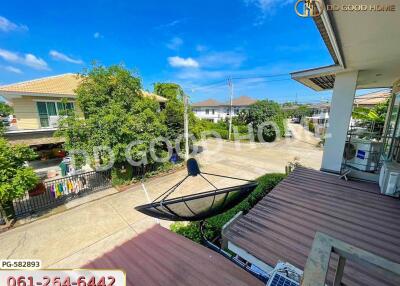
[[311, 126], [214, 224]]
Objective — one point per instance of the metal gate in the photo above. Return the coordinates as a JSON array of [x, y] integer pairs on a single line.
[[60, 190]]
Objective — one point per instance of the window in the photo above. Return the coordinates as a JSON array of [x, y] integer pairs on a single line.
[[393, 127], [207, 111], [52, 108], [213, 111]]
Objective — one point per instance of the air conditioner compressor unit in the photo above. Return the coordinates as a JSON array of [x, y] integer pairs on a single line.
[[363, 154], [389, 179]]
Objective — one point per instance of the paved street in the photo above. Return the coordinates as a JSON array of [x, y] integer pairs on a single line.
[[73, 237]]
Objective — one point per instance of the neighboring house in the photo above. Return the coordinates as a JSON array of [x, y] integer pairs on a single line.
[[214, 110], [369, 100], [320, 116], [319, 119], [38, 105]]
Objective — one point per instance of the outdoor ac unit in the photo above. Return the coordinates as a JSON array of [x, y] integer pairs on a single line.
[[389, 179], [364, 154]]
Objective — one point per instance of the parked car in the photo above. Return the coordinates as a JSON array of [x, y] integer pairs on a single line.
[[288, 134], [5, 121], [295, 120]]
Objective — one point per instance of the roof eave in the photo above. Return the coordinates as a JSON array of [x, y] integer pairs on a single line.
[[304, 76], [16, 94], [328, 34]]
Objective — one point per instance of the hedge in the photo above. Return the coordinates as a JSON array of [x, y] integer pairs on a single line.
[[214, 224]]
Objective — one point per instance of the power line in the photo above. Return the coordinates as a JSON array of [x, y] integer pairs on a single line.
[[223, 82]]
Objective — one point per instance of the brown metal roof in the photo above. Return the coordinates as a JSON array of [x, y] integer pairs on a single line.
[[283, 224], [160, 257]]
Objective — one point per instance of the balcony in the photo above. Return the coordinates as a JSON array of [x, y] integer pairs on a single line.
[[283, 225]]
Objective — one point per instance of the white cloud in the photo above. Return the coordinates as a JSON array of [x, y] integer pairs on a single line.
[[64, 58], [170, 24], [178, 62], [201, 48], [266, 7], [230, 59], [9, 56], [8, 26], [35, 62], [13, 69], [174, 43], [27, 59], [97, 35]]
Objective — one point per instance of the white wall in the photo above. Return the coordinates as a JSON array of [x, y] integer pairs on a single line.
[[339, 119], [220, 112]]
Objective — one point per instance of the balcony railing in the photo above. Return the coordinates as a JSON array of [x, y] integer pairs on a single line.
[[316, 269]]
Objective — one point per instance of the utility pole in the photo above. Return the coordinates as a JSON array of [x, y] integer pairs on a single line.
[[186, 125], [230, 84]]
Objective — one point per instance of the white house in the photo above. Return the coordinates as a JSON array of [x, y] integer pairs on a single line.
[[214, 110]]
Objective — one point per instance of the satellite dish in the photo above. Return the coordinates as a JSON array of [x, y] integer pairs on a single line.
[[199, 206]]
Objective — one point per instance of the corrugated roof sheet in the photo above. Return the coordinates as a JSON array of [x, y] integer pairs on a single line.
[[160, 257], [283, 224]]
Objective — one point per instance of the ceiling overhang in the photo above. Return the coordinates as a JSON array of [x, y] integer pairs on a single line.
[[363, 41], [318, 79]]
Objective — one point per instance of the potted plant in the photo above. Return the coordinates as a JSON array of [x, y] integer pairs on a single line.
[[38, 190]]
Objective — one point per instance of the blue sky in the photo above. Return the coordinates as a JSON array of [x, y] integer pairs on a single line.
[[193, 43]]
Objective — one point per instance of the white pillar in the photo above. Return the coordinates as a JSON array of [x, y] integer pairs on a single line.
[[339, 120]]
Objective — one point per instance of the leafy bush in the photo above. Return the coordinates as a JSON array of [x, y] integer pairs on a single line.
[[214, 224], [264, 112], [121, 174], [311, 126], [15, 178], [221, 127]]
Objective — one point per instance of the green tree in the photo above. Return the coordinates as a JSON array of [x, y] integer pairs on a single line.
[[374, 117], [5, 109], [15, 178], [174, 107], [115, 114], [262, 112]]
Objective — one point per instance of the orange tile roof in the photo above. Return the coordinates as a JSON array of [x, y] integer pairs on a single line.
[[239, 101], [243, 101], [372, 98], [208, 102], [64, 84]]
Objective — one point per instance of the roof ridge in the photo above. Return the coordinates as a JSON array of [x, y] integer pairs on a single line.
[[37, 79]]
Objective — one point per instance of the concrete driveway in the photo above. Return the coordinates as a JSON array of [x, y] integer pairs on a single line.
[[74, 237]]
